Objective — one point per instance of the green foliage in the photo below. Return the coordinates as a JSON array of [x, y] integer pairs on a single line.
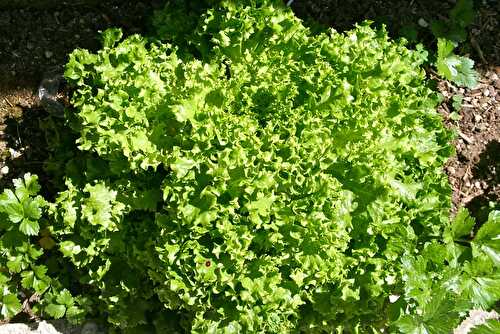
[[455, 68], [23, 271], [267, 147], [243, 175], [453, 275], [461, 16]]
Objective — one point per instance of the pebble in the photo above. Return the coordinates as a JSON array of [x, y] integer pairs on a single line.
[[90, 328], [4, 170], [393, 298], [14, 154], [423, 23]]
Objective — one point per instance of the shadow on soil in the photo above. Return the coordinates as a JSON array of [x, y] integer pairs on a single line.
[[488, 170], [27, 145]]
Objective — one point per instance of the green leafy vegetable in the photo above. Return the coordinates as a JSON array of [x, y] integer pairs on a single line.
[[240, 174], [450, 278], [455, 68], [290, 168], [10, 305]]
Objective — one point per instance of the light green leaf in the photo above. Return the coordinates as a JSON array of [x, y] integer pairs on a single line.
[[55, 311], [15, 264], [11, 206], [181, 166], [69, 248], [111, 36], [65, 298], [455, 68], [29, 227], [10, 306], [487, 240], [462, 224]]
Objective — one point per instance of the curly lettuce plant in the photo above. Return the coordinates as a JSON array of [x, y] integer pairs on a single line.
[[242, 175]]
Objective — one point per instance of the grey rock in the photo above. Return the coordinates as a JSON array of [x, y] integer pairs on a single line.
[[52, 327], [43, 328], [90, 328], [476, 318]]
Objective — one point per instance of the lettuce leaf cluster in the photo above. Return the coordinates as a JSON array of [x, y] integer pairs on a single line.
[[243, 175]]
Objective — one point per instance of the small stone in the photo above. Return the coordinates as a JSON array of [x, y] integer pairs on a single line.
[[25, 103], [14, 154], [4, 170], [46, 328], [477, 117], [48, 54], [393, 298], [486, 92], [477, 184], [90, 328], [423, 23]]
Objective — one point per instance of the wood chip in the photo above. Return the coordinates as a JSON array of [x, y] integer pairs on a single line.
[[10, 104], [465, 137]]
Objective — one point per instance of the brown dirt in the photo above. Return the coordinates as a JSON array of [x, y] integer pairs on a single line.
[[37, 41], [474, 171]]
